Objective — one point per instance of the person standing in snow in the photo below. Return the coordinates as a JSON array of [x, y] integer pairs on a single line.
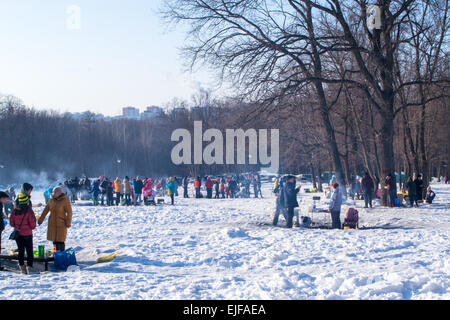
[[127, 190], [185, 187], [95, 191], [23, 221], [197, 188], [288, 199], [60, 218], [233, 187], [48, 194], [117, 190], [412, 192], [222, 188], [367, 189], [137, 186], [391, 187], [335, 206], [172, 186], [419, 187], [430, 195], [258, 181], [209, 186], [109, 193], [216, 189], [163, 185]]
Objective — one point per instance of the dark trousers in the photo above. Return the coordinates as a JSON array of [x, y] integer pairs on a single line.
[[209, 193], [127, 199], [102, 197], [336, 219], [25, 243], [172, 198], [391, 194], [197, 192], [217, 194], [413, 199], [117, 198], [185, 193], [367, 198], [109, 199], [290, 216], [59, 246]]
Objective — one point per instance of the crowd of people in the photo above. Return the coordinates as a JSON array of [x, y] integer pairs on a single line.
[[142, 190], [364, 188], [286, 191]]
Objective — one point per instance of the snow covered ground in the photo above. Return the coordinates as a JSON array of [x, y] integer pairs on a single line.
[[217, 249]]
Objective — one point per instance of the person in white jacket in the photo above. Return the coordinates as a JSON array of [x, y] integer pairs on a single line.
[[335, 206]]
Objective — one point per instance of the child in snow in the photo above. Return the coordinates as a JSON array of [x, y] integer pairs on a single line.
[[430, 195], [23, 221]]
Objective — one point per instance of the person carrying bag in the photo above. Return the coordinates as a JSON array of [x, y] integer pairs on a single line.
[[23, 221]]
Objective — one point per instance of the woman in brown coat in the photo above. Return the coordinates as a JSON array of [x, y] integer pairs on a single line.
[[60, 218]]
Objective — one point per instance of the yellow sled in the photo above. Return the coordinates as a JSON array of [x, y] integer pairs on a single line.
[[108, 258]]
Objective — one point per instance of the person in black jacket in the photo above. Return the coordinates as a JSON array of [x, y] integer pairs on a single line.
[[367, 189], [392, 189], [419, 187], [185, 187], [138, 185], [290, 198], [412, 192]]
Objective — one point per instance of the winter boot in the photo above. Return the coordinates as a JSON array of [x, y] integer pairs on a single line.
[[23, 269]]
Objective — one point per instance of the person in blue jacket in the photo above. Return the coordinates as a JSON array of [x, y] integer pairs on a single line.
[[172, 186], [48, 194], [95, 190]]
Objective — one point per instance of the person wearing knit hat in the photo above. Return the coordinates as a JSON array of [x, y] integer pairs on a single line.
[[25, 195], [23, 221]]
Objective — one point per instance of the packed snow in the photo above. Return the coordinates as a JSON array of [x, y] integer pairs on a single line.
[[227, 249]]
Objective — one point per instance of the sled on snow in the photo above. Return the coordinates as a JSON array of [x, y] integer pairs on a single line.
[[108, 258]]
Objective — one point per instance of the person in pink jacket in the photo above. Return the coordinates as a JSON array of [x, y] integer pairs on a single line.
[[23, 220]]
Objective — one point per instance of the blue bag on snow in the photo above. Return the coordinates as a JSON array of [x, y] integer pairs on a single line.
[[64, 259]]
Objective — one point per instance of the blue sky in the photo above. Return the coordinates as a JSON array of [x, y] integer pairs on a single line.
[[121, 55]]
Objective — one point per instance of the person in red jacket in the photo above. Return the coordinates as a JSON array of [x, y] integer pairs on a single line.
[[197, 188], [23, 220], [209, 186]]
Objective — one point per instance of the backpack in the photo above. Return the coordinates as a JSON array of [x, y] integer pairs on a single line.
[[351, 218]]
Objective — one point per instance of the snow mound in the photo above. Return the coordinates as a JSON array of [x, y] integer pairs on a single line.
[[235, 233]]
